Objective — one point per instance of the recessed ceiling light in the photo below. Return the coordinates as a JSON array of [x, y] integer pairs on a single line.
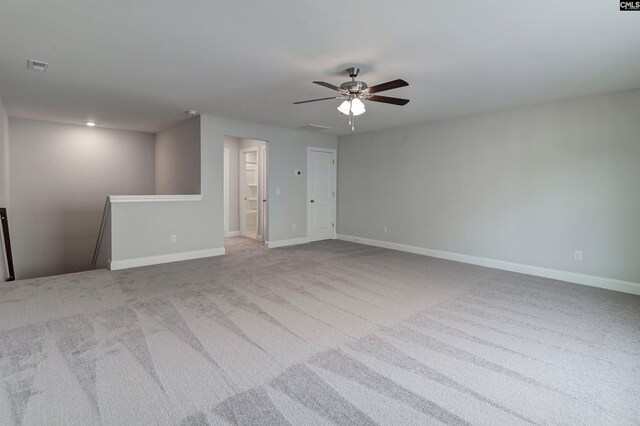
[[192, 112], [90, 123]]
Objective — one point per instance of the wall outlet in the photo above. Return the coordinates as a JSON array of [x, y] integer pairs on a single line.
[[577, 255], [293, 227], [277, 191], [173, 239], [384, 228]]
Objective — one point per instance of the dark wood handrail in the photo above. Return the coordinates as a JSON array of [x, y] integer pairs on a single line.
[[103, 223], [7, 243]]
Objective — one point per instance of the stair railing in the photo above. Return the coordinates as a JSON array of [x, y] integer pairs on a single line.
[[103, 224]]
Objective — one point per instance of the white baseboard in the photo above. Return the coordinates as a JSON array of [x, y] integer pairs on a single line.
[[284, 243], [233, 234], [115, 265], [572, 277]]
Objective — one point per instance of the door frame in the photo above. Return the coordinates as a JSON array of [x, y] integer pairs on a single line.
[[263, 199], [335, 189], [226, 191]]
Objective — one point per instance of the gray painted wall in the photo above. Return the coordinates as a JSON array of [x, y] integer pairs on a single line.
[[178, 159], [4, 179], [60, 177], [528, 185], [233, 144], [144, 229], [4, 156]]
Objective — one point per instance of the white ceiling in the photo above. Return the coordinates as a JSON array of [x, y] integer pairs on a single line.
[[140, 64]]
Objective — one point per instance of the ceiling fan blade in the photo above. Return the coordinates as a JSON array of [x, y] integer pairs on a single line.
[[388, 100], [316, 100], [387, 86], [328, 85]]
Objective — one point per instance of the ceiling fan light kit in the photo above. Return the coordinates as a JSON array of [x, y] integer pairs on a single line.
[[354, 92], [353, 106]]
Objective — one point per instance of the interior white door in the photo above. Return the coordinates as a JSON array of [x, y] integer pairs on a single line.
[[321, 194]]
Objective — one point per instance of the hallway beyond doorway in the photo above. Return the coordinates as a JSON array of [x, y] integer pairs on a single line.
[[245, 188]]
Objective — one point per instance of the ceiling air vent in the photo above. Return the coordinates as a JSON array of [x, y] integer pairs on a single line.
[[314, 127], [34, 65]]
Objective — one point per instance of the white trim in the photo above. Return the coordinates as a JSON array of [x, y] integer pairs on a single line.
[[333, 237], [315, 148], [153, 198], [233, 234], [284, 243], [115, 265], [335, 191], [572, 277], [263, 206], [226, 191]]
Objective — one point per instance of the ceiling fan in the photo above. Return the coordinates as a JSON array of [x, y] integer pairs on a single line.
[[353, 92]]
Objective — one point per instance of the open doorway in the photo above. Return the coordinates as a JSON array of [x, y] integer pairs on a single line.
[[245, 192]]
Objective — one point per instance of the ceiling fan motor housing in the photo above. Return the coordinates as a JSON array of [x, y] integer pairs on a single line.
[[353, 87]]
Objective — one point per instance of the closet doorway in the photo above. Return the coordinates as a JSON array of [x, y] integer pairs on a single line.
[[249, 193], [245, 188]]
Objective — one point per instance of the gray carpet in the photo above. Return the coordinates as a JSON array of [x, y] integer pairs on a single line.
[[325, 333]]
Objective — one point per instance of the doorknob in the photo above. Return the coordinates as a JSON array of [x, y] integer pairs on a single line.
[[312, 201]]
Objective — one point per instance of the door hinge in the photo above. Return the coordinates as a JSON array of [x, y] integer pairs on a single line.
[[333, 225], [334, 162]]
